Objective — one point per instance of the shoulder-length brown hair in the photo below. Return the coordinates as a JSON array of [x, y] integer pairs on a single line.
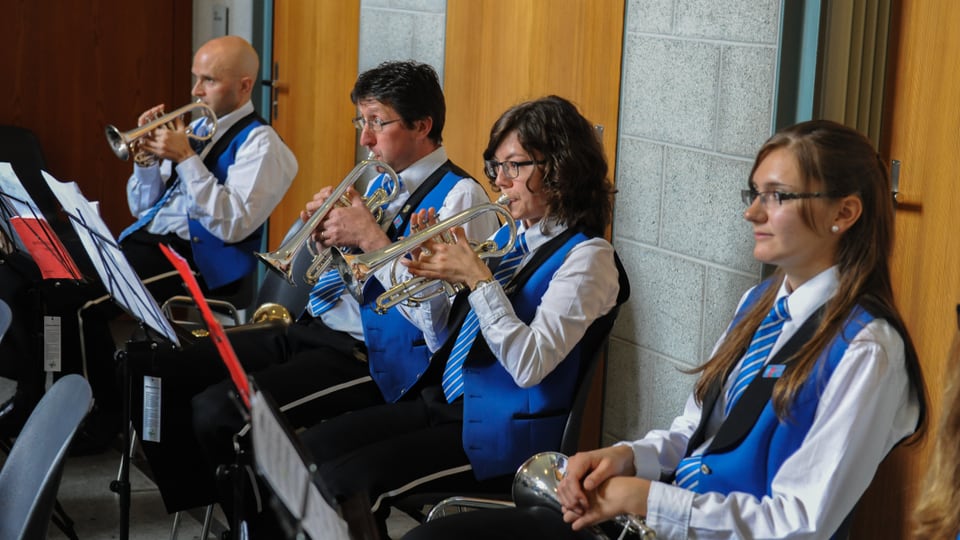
[[835, 159], [577, 189]]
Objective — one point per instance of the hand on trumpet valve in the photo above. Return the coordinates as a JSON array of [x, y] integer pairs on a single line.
[[169, 141], [419, 221], [348, 224], [453, 261]]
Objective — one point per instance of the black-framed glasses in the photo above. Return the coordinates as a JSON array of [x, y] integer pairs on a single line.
[[511, 169], [375, 124], [750, 195]]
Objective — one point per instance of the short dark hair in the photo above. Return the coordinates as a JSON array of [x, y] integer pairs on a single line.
[[578, 191], [411, 88]]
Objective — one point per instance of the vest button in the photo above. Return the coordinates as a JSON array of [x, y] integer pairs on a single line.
[[196, 238], [704, 469]]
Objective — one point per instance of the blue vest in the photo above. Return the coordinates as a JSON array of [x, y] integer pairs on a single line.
[[504, 424], [396, 351], [750, 466], [219, 262]]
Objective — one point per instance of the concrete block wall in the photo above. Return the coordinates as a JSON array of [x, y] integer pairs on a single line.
[[696, 102], [697, 93]]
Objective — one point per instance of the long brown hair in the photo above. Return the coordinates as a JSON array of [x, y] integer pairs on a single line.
[[937, 514], [836, 159]]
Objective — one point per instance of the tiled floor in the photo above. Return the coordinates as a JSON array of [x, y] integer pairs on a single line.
[[86, 497]]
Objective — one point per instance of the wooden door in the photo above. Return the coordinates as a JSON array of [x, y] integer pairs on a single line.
[[502, 52], [316, 57], [923, 132], [72, 68]]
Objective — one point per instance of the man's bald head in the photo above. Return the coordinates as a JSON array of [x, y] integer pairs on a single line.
[[234, 55], [225, 69]]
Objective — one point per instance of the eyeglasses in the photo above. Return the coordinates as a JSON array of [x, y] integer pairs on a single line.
[[750, 195], [511, 169], [375, 125]]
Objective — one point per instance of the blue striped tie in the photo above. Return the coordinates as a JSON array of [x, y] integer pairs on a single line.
[[688, 471], [198, 146], [763, 340], [453, 372], [326, 293]]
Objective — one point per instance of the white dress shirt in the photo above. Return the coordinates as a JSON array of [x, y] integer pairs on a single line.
[[256, 181], [582, 290], [867, 406], [345, 314]]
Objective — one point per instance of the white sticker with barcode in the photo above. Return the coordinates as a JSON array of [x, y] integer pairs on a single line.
[[151, 409], [51, 343]]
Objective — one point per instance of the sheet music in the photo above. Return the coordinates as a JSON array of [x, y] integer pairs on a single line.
[[118, 277], [30, 231], [281, 465]]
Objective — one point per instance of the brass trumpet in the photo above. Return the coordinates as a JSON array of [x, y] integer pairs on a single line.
[[536, 483], [122, 143], [356, 269], [281, 259]]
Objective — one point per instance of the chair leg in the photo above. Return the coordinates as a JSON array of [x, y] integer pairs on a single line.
[[176, 526], [207, 519], [63, 521]]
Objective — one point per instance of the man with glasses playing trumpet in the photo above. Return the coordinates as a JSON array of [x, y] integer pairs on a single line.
[[339, 355]]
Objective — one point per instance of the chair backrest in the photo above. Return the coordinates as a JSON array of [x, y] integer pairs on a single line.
[[31, 475], [5, 317], [274, 288], [570, 442]]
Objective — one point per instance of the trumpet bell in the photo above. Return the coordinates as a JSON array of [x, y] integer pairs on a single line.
[[537, 480], [272, 312]]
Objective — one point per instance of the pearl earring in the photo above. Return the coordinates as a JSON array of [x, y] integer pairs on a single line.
[[835, 229]]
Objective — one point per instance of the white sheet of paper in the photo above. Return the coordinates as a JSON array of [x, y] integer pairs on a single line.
[[280, 464], [118, 277]]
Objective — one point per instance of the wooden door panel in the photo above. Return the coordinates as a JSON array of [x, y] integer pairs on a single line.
[[923, 132], [315, 47], [502, 52]]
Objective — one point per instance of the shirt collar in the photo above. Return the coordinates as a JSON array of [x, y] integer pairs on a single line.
[[541, 232], [415, 174], [815, 292], [225, 122]]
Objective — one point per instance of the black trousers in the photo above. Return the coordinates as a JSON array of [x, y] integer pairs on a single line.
[[397, 448], [199, 419], [533, 523]]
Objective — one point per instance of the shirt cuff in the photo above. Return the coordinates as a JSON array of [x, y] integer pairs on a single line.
[[668, 510], [490, 302]]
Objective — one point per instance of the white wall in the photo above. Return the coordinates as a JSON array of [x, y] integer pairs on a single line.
[[238, 20]]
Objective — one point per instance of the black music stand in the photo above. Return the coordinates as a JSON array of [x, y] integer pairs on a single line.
[[279, 458], [125, 288], [282, 462], [25, 230]]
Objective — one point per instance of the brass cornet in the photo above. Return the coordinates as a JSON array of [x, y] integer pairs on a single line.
[[282, 258], [356, 269], [536, 483], [123, 143]]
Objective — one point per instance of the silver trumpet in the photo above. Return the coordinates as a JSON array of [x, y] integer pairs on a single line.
[[281, 259], [127, 142], [536, 483], [356, 269]]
